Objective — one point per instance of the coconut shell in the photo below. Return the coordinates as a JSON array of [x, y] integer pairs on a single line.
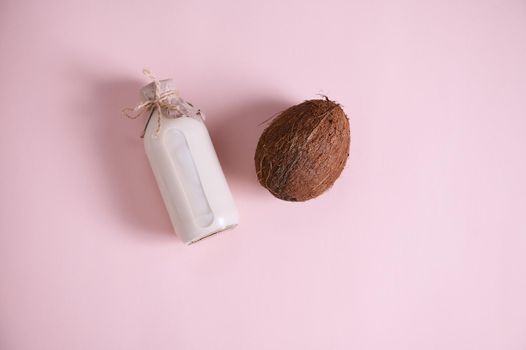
[[303, 150]]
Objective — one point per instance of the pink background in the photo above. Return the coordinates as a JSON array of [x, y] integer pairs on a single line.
[[421, 244]]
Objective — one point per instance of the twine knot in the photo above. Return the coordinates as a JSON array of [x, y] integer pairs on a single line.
[[167, 103]]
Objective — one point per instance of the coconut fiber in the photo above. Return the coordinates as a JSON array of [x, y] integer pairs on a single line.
[[303, 150]]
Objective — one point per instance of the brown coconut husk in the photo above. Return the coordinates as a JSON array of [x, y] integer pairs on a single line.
[[304, 150]]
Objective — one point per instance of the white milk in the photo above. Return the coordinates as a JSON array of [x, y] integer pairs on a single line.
[[185, 165]]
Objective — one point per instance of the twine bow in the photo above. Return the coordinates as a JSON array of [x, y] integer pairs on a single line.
[[163, 102]]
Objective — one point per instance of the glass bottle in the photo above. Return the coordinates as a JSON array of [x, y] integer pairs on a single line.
[[186, 168]]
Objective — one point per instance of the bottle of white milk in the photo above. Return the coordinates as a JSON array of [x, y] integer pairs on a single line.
[[185, 165]]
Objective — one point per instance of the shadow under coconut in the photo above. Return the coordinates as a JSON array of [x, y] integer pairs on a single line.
[[235, 133]]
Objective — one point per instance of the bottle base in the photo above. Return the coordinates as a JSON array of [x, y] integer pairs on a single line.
[[226, 228]]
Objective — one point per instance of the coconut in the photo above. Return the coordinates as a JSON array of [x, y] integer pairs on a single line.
[[303, 150]]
